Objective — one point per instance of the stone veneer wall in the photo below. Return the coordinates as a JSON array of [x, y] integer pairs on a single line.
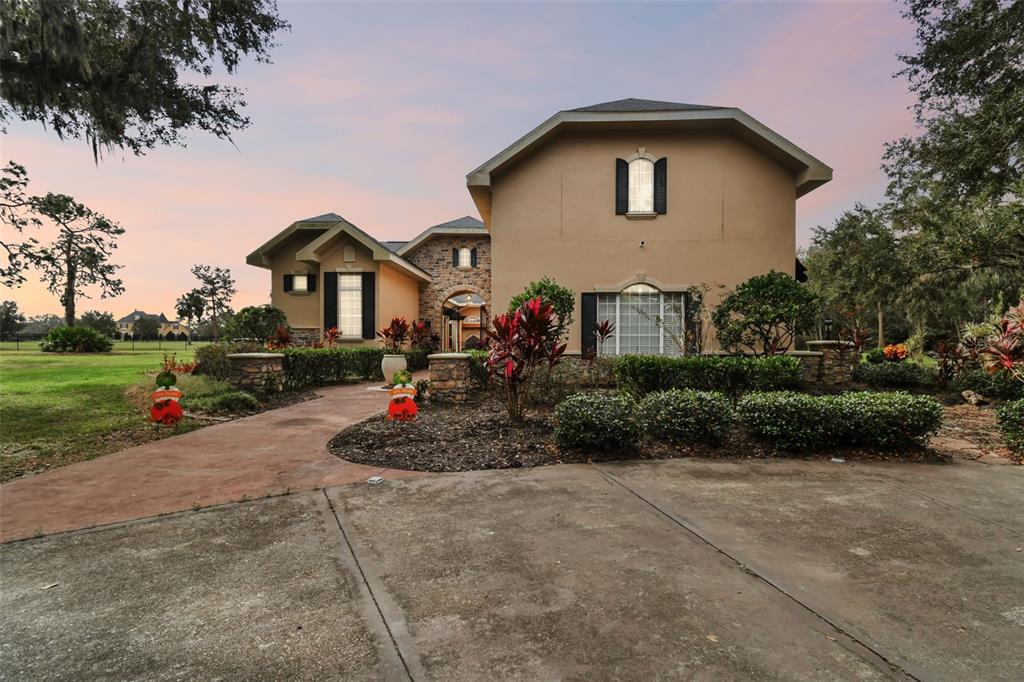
[[435, 257], [449, 377], [257, 372], [305, 336], [835, 370]]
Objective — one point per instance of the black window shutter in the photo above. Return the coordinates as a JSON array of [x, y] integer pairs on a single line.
[[472, 257], [588, 320], [621, 187], [289, 282], [369, 305], [311, 282], [660, 185], [455, 258], [331, 300]]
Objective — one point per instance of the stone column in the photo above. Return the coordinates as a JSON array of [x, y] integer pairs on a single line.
[[837, 363], [810, 366], [449, 377], [256, 372]]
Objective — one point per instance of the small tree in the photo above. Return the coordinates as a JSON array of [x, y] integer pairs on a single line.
[[255, 323], [764, 314], [190, 306], [80, 256], [11, 320], [520, 342], [102, 322], [145, 329], [561, 299], [218, 288], [42, 324]]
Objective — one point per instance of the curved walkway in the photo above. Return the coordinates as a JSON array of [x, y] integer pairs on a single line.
[[280, 451]]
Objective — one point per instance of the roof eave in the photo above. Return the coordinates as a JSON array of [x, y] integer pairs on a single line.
[[432, 232]]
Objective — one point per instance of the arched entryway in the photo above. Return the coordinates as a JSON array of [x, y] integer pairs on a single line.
[[464, 316]]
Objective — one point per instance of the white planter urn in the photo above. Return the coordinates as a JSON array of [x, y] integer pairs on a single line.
[[391, 364]]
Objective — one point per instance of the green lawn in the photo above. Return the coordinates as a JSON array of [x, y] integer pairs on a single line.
[[56, 409]]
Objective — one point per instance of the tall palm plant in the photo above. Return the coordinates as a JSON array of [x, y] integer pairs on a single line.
[[191, 306]]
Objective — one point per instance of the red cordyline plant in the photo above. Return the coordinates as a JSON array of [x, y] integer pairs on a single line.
[[394, 335], [1004, 351], [331, 337], [281, 338], [519, 343], [420, 336]]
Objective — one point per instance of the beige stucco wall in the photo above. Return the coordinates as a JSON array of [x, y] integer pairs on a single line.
[[398, 295], [731, 215], [302, 310]]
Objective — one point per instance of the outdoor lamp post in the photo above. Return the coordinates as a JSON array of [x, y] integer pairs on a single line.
[[828, 328]]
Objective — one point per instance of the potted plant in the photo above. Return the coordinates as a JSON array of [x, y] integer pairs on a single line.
[[393, 337]]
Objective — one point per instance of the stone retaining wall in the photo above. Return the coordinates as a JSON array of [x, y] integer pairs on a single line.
[[835, 367], [449, 377], [305, 336], [256, 372]]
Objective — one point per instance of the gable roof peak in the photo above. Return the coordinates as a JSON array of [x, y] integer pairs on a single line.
[[631, 104], [464, 221], [323, 218]]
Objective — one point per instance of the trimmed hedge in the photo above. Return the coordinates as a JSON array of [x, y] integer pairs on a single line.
[[232, 401], [76, 340], [642, 374], [305, 367], [686, 416], [479, 377], [212, 360], [416, 359], [795, 421], [894, 375], [1011, 423], [596, 421]]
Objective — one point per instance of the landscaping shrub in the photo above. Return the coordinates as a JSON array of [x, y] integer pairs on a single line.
[[999, 385], [596, 421], [255, 323], [76, 340], [416, 358], [789, 420], [479, 375], [686, 416], [875, 356], [212, 360], [304, 367], [894, 375], [763, 314], [1011, 423], [885, 420], [642, 374], [795, 421], [223, 403]]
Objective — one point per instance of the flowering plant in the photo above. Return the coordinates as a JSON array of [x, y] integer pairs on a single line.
[[1004, 351], [519, 343], [896, 352]]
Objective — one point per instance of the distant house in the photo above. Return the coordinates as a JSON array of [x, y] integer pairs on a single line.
[[171, 330], [585, 198]]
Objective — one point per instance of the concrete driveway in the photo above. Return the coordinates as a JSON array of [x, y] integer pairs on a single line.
[[688, 569]]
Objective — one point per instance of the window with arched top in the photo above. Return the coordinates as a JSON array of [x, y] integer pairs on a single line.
[[465, 257], [647, 321], [641, 186]]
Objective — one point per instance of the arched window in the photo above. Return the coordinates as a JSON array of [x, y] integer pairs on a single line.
[[349, 253], [641, 186], [465, 257], [648, 321]]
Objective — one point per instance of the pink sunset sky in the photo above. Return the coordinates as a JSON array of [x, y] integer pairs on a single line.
[[377, 112]]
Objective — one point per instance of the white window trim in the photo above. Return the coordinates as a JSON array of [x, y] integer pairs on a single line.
[[305, 289], [662, 294], [359, 290]]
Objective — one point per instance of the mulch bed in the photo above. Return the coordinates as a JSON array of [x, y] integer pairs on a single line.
[[479, 435]]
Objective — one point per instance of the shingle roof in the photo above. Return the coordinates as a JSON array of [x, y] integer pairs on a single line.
[[394, 246], [633, 104], [463, 222], [130, 317], [324, 218]]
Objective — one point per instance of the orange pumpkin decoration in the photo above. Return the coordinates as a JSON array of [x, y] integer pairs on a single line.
[[402, 406], [166, 412]]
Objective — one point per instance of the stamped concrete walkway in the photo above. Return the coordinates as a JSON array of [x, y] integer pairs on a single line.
[[269, 453]]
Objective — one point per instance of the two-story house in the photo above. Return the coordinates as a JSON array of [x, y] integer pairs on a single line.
[[630, 203], [172, 330]]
